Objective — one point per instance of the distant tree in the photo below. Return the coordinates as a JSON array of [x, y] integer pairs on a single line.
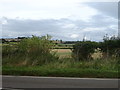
[[22, 37], [3, 41]]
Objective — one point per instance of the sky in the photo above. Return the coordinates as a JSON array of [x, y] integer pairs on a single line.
[[68, 20]]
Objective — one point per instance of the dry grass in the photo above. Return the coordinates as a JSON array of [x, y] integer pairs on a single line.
[[62, 50], [63, 53], [97, 55]]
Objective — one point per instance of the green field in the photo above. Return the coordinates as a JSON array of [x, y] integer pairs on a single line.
[[34, 57]]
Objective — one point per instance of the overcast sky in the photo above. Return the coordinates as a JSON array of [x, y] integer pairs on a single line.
[[63, 19]]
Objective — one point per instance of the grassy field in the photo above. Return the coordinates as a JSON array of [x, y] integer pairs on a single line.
[[41, 62], [63, 53], [66, 53]]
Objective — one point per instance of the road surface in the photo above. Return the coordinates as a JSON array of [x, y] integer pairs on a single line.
[[57, 82]]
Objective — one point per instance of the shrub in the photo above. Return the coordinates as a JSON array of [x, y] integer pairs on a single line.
[[82, 50], [110, 47], [32, 51]]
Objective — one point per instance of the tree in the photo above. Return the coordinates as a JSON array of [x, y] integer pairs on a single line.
[[110, 47], [82, 50]]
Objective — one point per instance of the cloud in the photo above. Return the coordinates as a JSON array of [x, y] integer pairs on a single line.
[[63, 20], [90, 29], [45, 9], [108, 8], [74, 36], [69, 26], [65, 29]]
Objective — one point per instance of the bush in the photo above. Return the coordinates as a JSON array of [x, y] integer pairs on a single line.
[[82, 50], [31, 51], [110, 47]]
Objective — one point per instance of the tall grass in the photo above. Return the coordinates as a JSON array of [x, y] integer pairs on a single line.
[[68, 68], [97, 64]]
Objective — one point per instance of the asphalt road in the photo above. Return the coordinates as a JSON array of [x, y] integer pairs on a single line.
[[57, 82]]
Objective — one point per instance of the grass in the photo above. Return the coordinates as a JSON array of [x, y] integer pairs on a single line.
[[64, 46], [67, 68], [58, 72], [33, 57], [66, 53], [63, 53]]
